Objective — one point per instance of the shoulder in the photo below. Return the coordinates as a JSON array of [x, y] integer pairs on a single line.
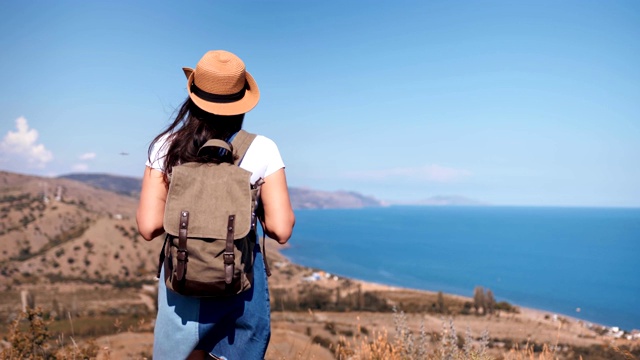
[[163, 141], [263, 148], [262, 141], [157, 152], [161, 145], [262, 158]]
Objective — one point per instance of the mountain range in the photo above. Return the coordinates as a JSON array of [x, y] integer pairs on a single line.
[[82, 228], [301, 198]]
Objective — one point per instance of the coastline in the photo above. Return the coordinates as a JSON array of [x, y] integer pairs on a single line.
[[539, 258], [530, 311], [550, 327]]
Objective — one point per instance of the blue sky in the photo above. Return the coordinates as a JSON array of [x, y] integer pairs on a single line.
[[507, 102]]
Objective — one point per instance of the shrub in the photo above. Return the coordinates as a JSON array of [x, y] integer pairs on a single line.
[[30, 343], [505, 306], [34, 341], [322, 341]]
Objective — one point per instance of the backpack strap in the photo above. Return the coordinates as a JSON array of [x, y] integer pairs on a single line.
[[228, 255], [240, 143], [183, 255]]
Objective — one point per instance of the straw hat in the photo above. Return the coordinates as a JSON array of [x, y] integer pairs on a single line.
[[221, 85]]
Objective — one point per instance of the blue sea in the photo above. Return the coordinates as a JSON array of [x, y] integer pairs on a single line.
[[581, 262]]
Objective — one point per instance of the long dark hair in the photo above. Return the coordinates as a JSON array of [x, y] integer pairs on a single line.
[[190, 130]]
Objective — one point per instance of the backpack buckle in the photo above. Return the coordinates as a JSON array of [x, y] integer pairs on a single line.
[[229, 258], [182, 255], [181, 269], [229, 264]]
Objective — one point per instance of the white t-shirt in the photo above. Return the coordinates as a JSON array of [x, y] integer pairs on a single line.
[[262, 158]]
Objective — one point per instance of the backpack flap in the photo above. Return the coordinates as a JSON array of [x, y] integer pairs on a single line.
[[210, 193]]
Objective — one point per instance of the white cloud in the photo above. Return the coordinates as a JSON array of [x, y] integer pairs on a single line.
[[434, 173], [22, 145], [80, 167], [87, 156]]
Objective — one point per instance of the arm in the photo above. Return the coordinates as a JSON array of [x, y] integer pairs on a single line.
[[278, 214], [150, 212]]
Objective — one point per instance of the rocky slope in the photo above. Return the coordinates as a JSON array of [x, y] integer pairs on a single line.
[[58, 229]]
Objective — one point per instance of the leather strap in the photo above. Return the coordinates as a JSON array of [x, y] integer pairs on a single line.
[[183, 254], [229, 256]]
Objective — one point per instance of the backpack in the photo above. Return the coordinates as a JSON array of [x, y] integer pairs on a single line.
[[210, 221]]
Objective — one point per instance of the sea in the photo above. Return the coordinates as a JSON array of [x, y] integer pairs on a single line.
[[579, 262]]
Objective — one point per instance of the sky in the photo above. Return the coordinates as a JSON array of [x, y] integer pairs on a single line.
[[528, 103]]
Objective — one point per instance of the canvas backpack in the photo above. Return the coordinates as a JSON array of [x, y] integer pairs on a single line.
[[210, 221]]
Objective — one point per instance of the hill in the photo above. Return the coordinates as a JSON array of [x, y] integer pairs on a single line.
[[300, 198], [119, 184], [451, 200], [81, 227], [57, 229]]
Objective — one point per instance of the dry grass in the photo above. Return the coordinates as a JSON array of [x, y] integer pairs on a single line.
[[448, 345], [407, 345], [33, 341], [31, 337]]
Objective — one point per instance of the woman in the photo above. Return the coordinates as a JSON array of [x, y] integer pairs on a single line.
[[220, 91]]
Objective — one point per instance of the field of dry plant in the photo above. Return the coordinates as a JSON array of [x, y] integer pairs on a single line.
[[70, 255], [118, 323]]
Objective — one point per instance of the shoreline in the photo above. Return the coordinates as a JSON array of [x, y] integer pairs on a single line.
[[367, 285]]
